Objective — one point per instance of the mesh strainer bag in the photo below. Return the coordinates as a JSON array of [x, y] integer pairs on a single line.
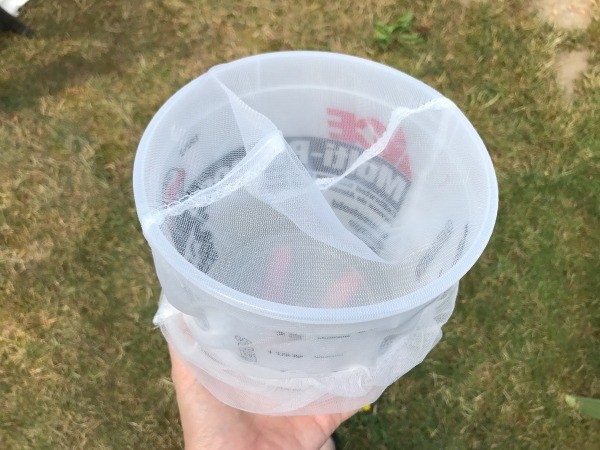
[[310, 215]]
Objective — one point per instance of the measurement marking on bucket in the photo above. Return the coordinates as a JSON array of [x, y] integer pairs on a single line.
[[285, 354]]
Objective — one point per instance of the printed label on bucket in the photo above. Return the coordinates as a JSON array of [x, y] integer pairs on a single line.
[[366, 201]]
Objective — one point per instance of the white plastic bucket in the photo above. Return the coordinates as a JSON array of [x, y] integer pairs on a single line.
[[423, 209]]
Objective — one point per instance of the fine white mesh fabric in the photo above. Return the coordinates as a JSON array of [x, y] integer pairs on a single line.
[[310, 215], [373, 358]]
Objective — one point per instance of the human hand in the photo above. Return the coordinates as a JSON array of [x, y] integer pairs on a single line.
[[209, 424]]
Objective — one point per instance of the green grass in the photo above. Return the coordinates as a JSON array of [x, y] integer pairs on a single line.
[[81, 365]]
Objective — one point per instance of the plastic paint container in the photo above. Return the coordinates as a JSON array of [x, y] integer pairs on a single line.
[[310, 215]]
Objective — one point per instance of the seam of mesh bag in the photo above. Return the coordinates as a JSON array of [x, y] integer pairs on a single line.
[[259, 159], [398, 115]]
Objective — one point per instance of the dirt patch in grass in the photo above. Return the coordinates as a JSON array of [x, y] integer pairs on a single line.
[[571, 15], [568, 14], [569, 67]]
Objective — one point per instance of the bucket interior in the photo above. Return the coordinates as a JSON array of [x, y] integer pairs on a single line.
[[315, 181]]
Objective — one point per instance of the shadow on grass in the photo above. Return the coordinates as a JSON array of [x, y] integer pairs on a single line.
[[89, 42], [24, 90]]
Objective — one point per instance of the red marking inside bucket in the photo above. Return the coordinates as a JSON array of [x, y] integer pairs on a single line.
[[277, 273], [346, 126], [172, 191], [341, 291]]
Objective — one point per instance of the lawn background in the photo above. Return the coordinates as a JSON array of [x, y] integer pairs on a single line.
[[81, 365]]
